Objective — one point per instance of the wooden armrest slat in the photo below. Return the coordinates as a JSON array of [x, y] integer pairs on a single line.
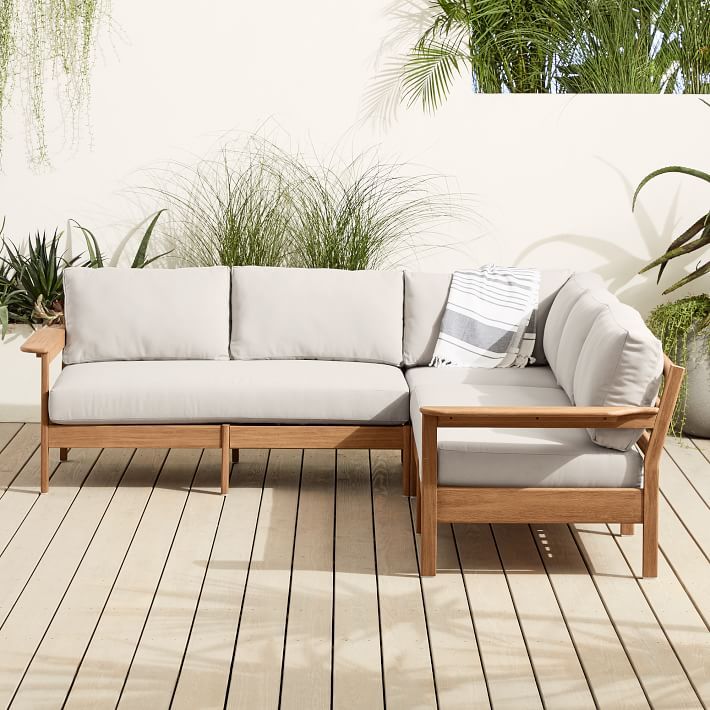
[[544, 417], [48, 341]]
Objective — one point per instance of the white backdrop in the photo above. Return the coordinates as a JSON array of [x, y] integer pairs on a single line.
[[552, 176]]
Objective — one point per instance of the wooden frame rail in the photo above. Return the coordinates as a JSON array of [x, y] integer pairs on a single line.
[[436, 503], [47, 343]]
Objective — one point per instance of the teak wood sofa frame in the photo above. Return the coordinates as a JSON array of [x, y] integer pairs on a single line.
[[448, 504], [48, 342]]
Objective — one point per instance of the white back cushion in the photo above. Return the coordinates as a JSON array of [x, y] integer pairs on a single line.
[[560, 309], [620, 364], [316, 314], [146, 314], [576, 329], [425, 297]]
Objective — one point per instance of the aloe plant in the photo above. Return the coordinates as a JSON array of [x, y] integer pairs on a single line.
[[140, 260], [695, 237]]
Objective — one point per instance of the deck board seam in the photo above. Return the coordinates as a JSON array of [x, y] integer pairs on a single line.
[[577, 542], [160, 579], [113, 584], [246, 581], [73, 576]]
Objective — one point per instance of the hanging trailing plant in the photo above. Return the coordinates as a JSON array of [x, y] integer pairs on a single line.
[[43, 40]]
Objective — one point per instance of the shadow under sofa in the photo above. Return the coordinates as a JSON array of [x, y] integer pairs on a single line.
[[300, 358]]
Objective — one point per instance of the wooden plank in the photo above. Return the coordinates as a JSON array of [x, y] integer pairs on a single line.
[[52, 669], [569, 417], [510, 677], [208, 658], [694, 511], [316, 437], [656, 665], [155, 667], [685, 628], [28, 545], [686, 558], [694, 466], [552, 505], [357, 669], [256, 672], [7, 432], [17, 453], [611, 677], [559, 674], [406, 659], [25, 624], [457, 664], [703, 446], [307, 666], [103, 669], [157, 436], [45, 341]]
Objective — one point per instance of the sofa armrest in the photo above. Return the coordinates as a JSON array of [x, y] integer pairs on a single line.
[[544, 417], [46, 342]]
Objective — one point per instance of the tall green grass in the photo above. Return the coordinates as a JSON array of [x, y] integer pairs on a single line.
[[258, 205]]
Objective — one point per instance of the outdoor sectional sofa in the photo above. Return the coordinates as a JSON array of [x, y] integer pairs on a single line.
[[294, 358]]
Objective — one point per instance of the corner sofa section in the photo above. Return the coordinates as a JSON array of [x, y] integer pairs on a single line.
[[310, 358]]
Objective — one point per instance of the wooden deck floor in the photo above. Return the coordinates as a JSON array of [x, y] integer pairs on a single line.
[[134, 584]]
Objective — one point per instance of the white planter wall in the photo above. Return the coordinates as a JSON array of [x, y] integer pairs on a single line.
[[551, 176], [20, 378]]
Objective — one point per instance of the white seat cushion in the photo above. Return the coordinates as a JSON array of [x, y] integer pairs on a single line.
[[146, 314], [535, 458], [317, 314], [282, 392], [514, 376]]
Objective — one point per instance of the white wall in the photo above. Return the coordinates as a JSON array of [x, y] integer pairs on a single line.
[[552, 175]]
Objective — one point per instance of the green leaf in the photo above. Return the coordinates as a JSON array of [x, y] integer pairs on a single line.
[[670, 169], [692, 276], [140, 259], [4, 321], [96, 259]]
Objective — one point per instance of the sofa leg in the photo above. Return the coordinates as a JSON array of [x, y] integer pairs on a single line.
[[413, 474], [428, 541], [225, 459], [627, 529], [235, 455], [406, 461], [650, 548], [44, 466], [419, 507], [64, 454]]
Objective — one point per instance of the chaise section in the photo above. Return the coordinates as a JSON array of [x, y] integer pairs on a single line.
[[519, 458], [194, 392]]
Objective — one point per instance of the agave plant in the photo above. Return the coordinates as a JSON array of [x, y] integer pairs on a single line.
[[695, 237], [37, 275]]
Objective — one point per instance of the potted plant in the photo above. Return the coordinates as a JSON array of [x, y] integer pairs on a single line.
[[683, 326]]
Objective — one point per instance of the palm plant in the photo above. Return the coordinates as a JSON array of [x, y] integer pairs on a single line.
[[560, 46]]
